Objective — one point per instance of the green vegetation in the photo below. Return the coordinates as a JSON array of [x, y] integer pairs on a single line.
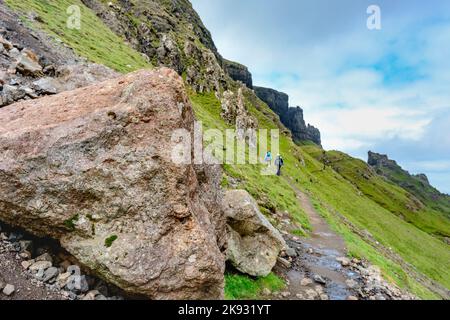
[[388, 195], [239, 286], [109, 241], [331, 189], [94, 41], [70, 223]]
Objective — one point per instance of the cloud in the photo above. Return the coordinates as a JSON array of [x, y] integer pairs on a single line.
[[381, 90]]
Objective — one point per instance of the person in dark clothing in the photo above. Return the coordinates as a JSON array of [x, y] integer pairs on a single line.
[[279, 162]]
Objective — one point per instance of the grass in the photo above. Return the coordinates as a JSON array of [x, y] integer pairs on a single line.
[[94, 41], [240, 287], [70, 223], [388, 195], [428, 254]]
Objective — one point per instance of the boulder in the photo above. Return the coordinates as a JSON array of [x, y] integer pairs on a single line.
[[253, 243], [28, 63], [93, 169]]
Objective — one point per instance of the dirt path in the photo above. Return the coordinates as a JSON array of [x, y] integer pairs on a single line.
[[317, 259]]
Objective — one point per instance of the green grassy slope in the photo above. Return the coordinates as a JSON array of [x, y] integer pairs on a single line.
[[388, 195], [94, 41], [331, 190]]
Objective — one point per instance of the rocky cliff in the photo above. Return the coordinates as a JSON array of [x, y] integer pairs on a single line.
[[292, 118], [238, 72], [418, 185]]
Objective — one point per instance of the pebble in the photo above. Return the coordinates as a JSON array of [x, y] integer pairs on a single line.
[[285, 294], [352, 298], [50, 274], [319, 279], [40, 265], [351, 283], [306, 282], [267, 292], [9, 289], [345, 262], [45, 257]]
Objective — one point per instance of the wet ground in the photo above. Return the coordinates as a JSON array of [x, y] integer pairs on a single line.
[[316, 258]]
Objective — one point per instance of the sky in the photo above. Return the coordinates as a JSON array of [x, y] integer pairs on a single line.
[[386, 90]]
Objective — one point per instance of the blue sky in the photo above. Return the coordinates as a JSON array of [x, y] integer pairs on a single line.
[[383, 90]]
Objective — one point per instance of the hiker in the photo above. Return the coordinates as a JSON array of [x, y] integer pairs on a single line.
[[279, 163], [268, 158]]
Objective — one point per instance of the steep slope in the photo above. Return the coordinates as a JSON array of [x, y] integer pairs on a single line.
[[418, 185], [390, 196]]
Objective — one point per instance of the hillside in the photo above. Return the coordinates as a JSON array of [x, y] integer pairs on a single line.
[[384, 215]]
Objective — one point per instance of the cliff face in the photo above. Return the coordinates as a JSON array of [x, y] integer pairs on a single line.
[[292, 118], [238, 72], [418, 185]]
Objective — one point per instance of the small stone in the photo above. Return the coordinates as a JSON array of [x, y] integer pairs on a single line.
[[100, 297], [351, 283], [343, 261], [291, 252], [44, 265], [91, 295], [26, 245], [317, 278], [25, 255], [306, 282], [45, 257], [319, 289], [311, 294], [299, 296], [323, 296], [285, 294], [62, 279], [50, 274], [284, 262], [27, 264], [6, 44], [352, 298], [9, 289], [28, 63], [310, 251], [77, 284], [267, 292]]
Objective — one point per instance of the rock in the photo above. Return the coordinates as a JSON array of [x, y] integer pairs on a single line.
[[50, 274], [27, 264], [317, 278], [284, 262], [343, 261], [27, 63], [311, 294], [324, 297], [25, 255], [62, 279], [2, 282], [45, 257], [292, 118], [291, 252], [238, 72], [46, 85], [9, 289], [352, 298], [351, 283], [26, 245], [91, 295], [6, 44], [77, 284], [306, 282], [115, 141], [40, 265], [285, 294], [253, 243], [299, 296]]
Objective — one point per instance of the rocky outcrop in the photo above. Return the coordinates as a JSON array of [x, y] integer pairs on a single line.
[[238, 72], [33, 65], [253, 243], [292, 118], [93, 168], [418, 185]]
